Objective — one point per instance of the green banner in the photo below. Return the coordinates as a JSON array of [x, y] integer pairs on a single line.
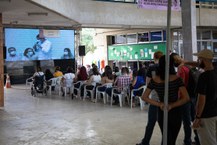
[[135, 51]]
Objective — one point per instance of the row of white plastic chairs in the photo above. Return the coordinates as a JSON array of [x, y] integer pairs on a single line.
[[125, 93]]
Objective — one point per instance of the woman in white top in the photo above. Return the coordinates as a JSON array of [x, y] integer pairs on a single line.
[[68, 78], [94, 78]]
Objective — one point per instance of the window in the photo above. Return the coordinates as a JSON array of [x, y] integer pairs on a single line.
[[198, 47], [131, 38], [143, 37], [207, 45], [120, 39], [198, 35], [156, 36], [164, 35], [214, 34], [215, 47], [206, 35]]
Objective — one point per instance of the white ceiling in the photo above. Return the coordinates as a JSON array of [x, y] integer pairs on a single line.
[[15, 13]]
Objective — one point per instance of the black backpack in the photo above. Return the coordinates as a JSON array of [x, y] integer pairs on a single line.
[[194, 74]]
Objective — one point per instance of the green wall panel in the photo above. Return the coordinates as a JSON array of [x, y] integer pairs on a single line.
[[135, 51]]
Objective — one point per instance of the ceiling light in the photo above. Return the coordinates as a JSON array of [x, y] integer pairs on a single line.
[[5, 0], [37, 14]]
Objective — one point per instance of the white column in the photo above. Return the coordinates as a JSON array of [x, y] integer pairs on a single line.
[[189, 30]]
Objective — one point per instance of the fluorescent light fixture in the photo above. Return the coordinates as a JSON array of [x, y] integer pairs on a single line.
[[37, 14], [5, 0], [14, 22]]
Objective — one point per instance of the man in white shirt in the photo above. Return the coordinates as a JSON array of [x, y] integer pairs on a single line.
[[43, 48]]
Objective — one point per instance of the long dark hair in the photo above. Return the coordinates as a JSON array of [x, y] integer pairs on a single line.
[[161, 67], [82, 74], [26, 51], [69, 52], [95, 71], [108, 73]]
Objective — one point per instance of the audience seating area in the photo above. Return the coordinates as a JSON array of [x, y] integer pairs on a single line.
[[95, 94]]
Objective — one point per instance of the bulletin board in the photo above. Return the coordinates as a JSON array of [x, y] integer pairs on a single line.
[[135, 51]]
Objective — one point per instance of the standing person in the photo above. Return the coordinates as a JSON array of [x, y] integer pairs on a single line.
[[152, 111], [206, 108], [183, 72], [43, 48], [176, 86]]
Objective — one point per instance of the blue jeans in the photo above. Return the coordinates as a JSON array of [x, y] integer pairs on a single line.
[[152, 118], [186, 118]]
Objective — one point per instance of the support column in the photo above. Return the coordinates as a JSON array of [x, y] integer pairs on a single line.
[[1, 64], [78, 59], [189, 30]]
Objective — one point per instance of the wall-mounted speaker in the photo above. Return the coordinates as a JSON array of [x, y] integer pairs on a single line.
[[81, 50], [4, 51]]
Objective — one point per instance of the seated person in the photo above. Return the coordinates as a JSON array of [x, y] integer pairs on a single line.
[[57, 72], [81, 75], [67, 54], [68, 79], [48, 76], [29, 54], [12, 54], [121, 81], [107, 77], [139, 81], [94, 79], [38, 79]]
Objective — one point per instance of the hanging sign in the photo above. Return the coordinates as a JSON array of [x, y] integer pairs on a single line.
[[159, 4]]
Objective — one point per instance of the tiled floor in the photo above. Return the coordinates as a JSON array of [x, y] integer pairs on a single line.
[[53, 120]]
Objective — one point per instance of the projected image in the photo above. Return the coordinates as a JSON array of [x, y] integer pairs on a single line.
[[35, 44]]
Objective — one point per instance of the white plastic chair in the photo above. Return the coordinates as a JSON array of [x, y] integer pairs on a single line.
[[141, 102], [29, 81], [125, 91], [58, 84], [103, 93], [91, 91], [71, 88], [78, 90], [52, 84]]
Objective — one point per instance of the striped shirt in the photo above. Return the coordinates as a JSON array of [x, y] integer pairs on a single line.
[[173, 89]]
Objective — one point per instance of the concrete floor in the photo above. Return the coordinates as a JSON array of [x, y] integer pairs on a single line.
[[27, 120]]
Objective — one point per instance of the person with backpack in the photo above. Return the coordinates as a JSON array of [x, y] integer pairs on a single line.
[[206, 109], [185, 73]]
